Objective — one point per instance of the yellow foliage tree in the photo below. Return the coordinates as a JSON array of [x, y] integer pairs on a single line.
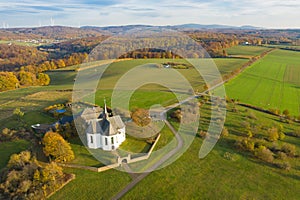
[[56, 147]]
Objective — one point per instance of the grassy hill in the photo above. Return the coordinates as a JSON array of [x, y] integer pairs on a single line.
[[215, 177]]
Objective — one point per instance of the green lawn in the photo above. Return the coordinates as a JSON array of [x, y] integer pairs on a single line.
[[133, 146], [82, 155], [272, 82], [92, 185], [9, 148]]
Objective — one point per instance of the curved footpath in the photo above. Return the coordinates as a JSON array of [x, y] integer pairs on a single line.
[[155, 166]]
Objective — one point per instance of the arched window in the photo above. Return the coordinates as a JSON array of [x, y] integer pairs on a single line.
[[112, 140], [92, 141], [105, 141]]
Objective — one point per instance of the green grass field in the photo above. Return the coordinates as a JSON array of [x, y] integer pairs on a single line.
[[297, 47], [92, 185], [215, 177], [9, 148], [189, 177], [116, 70], [151, 94], [34, 99], [272, 82], [246, 51]]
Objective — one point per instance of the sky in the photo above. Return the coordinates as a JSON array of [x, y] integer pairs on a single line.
[[260, 13]]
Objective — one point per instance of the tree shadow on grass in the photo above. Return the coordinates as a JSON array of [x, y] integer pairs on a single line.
[[289, 175]]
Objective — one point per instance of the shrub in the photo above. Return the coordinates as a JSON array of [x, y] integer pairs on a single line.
[[255, 129], [18, 161], [260, 142], [281, 136], [252, 116], [245, 125], [295, 133], [289, 149], [177, 115], [286, 112], [202, 134], [275, 111], [263, 153], [249, 134], [284, 165], [235, 110], [225, 132], [230, 156], [245, 144], [7, 135], [273, 134], [281, 155]]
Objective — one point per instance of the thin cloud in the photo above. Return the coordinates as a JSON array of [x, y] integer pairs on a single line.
[[268, 13]]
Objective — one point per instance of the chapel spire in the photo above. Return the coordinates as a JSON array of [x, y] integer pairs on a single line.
[[105, 109]]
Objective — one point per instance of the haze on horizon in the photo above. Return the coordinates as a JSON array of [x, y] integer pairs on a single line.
[[267, 14]]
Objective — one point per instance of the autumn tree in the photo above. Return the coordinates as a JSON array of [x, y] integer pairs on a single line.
[[27, 78], [43, 79], [7, 134], [280, 132], [273, 134], [8, 81], [206, 86], [19, 114], [224, 132], [177, 114], [141, 117], [18, 161], [57, 148], [25, 178]]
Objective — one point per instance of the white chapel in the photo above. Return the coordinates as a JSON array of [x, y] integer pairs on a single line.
[[105, 132]]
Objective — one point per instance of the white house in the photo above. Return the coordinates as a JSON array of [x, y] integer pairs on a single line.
[[105, 132]]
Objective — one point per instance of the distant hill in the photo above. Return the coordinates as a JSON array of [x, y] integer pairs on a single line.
[[54, 32], [211, 26], [117, 29], [67, 33]]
